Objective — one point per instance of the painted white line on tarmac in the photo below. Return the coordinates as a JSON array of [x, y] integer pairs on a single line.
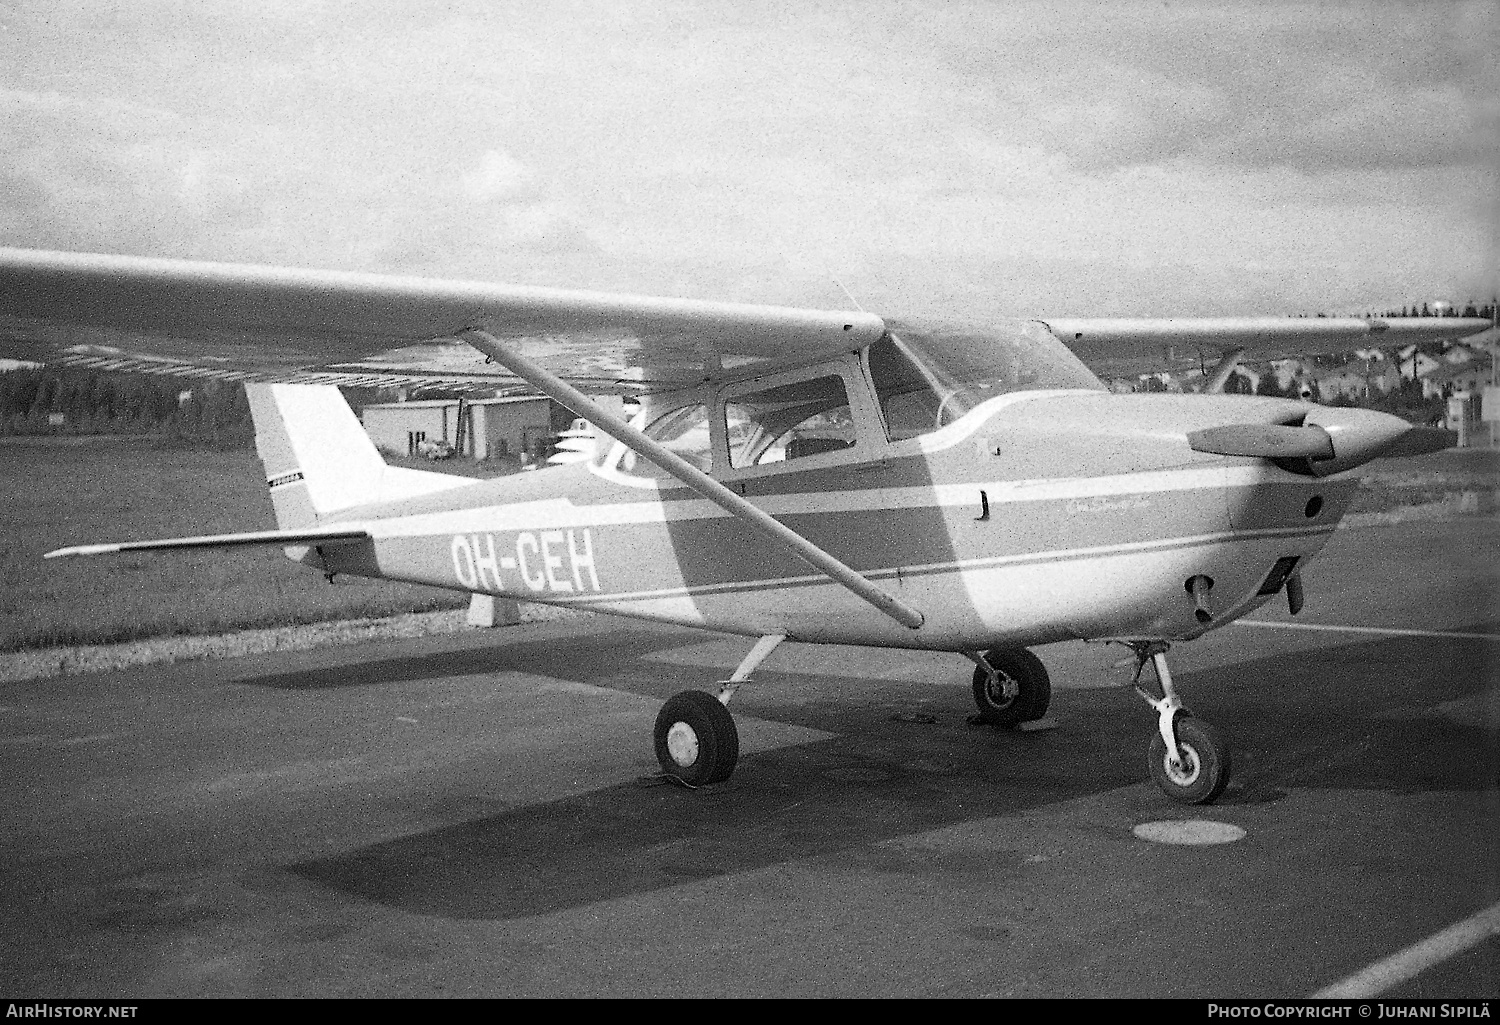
[[1409, 963], [1384, 630]]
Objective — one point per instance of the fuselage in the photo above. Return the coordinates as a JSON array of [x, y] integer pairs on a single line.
[[1038, 516]]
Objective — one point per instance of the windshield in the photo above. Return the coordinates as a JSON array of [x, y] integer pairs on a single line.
[[927, 377]]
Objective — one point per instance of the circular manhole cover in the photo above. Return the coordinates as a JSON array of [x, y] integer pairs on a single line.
[[1189, 832]]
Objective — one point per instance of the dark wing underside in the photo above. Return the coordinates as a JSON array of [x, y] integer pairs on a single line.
[[1125, 347], [256, 323]]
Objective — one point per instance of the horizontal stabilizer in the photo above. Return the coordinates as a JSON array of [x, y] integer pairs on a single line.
[[1268, 441], [316, 536]]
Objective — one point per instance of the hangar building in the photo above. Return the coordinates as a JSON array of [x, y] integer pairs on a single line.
[[491, 428]]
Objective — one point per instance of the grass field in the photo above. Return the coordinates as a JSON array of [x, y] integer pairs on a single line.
[[77, 491], [1435, 478], [80, 490]]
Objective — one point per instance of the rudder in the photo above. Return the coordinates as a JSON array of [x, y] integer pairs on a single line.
[[318, 458], [316, 454]]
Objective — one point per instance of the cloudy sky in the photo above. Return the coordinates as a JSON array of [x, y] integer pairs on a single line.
[[939, 158]]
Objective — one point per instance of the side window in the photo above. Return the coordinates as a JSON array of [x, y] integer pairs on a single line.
[[789, 422], [683, 430], [907, 398]]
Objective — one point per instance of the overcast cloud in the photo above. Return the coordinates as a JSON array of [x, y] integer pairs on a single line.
[[940, 158]]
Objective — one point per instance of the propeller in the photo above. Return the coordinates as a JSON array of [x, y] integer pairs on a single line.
[[1329, 439], [1268, 441]]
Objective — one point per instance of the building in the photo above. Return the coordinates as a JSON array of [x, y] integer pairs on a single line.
[[1461, 379], [1358, 380], [1345, 382], [1415, 364], [1293, 376], [490, 429]]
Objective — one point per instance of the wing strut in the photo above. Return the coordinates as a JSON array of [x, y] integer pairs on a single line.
[[556, 388], [1220, 377]]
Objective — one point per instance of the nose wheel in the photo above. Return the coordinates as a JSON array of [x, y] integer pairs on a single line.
[[1188, 759], [1200, 771]]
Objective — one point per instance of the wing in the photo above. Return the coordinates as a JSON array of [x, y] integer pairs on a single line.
[[257, 323], [246, 322], [1120, 347]]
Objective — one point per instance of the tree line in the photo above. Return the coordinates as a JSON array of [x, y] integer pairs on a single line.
[[1472, 309], [77, 400], [66, 400]]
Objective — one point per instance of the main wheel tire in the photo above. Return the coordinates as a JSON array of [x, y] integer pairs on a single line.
[[696, 739], [1033, 688], [1204, 772]]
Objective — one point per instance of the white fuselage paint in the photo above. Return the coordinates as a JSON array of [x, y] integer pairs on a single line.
[[555, 551]]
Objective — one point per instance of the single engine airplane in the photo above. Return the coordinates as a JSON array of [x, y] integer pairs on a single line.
[[808, 475]]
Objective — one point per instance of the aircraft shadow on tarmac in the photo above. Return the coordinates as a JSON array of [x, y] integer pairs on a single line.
[[1400, 714], [550, 656]]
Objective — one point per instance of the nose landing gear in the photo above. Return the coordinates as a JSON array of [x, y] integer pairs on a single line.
[[1188, 759]]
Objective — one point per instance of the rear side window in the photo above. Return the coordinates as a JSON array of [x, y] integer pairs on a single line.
[[789, 422], [683, 430]]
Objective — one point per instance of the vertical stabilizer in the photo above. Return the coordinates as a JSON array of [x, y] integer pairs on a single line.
[[318, 458]]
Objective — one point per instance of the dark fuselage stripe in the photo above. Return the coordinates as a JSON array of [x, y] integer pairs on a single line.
[[1105, 551]]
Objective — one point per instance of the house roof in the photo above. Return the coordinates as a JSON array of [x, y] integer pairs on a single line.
[[1485, 338], [1453, 371]]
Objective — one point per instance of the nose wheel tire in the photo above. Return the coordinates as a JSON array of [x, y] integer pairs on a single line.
[[1202, 772], [696, 739], [1018, 692]]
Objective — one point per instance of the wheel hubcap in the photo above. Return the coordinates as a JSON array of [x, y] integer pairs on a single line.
[[1001, 690], [682, 744], [1185, 771]]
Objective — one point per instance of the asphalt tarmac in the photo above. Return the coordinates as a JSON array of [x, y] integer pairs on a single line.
[[473, 815]]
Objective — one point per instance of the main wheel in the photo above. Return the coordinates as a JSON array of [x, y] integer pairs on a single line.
[[1202, 774], [1019, 693], [696, 739]]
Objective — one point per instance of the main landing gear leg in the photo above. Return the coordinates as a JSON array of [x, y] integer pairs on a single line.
[[1011, 686], [1188, 759], [696, 739]]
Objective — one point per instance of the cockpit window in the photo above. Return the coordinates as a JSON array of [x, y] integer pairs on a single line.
[[925, 378]]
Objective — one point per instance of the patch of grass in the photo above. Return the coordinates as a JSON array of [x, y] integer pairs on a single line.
[[1432, 479], [118, 490]]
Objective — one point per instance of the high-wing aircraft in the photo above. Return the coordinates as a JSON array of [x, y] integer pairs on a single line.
[[807, 475]]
